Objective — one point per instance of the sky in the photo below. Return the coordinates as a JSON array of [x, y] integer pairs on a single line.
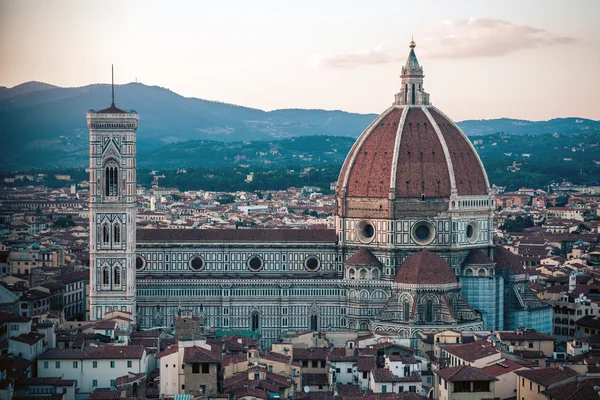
[[532, 60]]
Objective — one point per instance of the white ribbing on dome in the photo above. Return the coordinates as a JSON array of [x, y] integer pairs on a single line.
[[359, 142], [397, 153], [487, 182], [438, 132]]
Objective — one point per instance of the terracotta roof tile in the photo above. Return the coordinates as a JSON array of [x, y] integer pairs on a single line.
[[547, 376], [463, 373], [477, 257], [363, 257], [425, 267], [472, 351]]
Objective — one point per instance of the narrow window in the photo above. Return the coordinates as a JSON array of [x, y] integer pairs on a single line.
[[117, 234], [429, 311], [105, 235], [254, 321], [413, 94], [105, 276], [117, 276]]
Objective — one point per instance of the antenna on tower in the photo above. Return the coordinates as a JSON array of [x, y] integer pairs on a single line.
[[113, 84]]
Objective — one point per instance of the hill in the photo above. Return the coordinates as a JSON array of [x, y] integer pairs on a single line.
[[44, 126]]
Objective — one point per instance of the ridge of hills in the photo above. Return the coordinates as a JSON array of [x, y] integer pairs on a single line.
[[43, 125]]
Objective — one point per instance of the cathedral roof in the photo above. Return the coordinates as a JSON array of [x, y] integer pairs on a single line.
[[477, 257], [412, 150], [506, 260], [363, 257], [236, 235], [425, 267], [112, 110]]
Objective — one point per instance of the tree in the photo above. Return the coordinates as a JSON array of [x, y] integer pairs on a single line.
[[517, 224]]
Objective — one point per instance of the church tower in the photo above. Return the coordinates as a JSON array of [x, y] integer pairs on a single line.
[[112, 210]]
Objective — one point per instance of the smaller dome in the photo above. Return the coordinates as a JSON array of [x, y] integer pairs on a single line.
[[363, 257], [508, 261], [477, 257], [425, 267]]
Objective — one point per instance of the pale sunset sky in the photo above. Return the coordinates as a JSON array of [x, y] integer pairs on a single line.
[[482, 59]]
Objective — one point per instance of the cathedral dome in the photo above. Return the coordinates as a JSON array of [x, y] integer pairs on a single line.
[[412, 150], [425, 268]]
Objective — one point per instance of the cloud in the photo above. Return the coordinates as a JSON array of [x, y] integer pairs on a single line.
[[352, 60], [486, 37]]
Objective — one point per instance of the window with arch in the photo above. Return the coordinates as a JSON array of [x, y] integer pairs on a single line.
[[117, 233], [105, 276], [375, 274], [405, 311], [351, 273], [111, 179], [429, 311], [105, 235], [117, 276], [363, 274]]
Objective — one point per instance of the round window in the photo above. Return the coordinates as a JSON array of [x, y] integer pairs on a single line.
[[472, 231], [312, 263], [197, 263], [255, 263], [423, 232], [365, 230], [140, 263]]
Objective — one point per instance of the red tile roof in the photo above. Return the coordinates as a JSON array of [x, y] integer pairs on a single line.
[[477, 257], [502, 367], [363, 257], [425, 267], [464, 373], [472, 351], [547, 376], [506, 260], [200, 355]]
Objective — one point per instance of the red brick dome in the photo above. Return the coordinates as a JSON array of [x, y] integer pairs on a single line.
[[412, 151], [425, 267]]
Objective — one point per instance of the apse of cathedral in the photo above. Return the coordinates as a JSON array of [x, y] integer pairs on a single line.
[[412, 249]]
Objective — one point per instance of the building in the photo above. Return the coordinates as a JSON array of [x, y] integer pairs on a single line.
[[112, 210], [414, 219], [532, 382], [463, 382], [94, 367]]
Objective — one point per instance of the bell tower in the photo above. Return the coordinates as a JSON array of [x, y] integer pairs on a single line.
[[112, 209]]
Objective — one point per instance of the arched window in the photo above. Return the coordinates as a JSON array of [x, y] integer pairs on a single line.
[[429, 311], [117, 276], [117, 234], [105, 276], [105, 235], [481, 272], [111, 179], [405, 311], [254, 321], [375, 274], [352, 274], [413, 94], [363, 274]]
